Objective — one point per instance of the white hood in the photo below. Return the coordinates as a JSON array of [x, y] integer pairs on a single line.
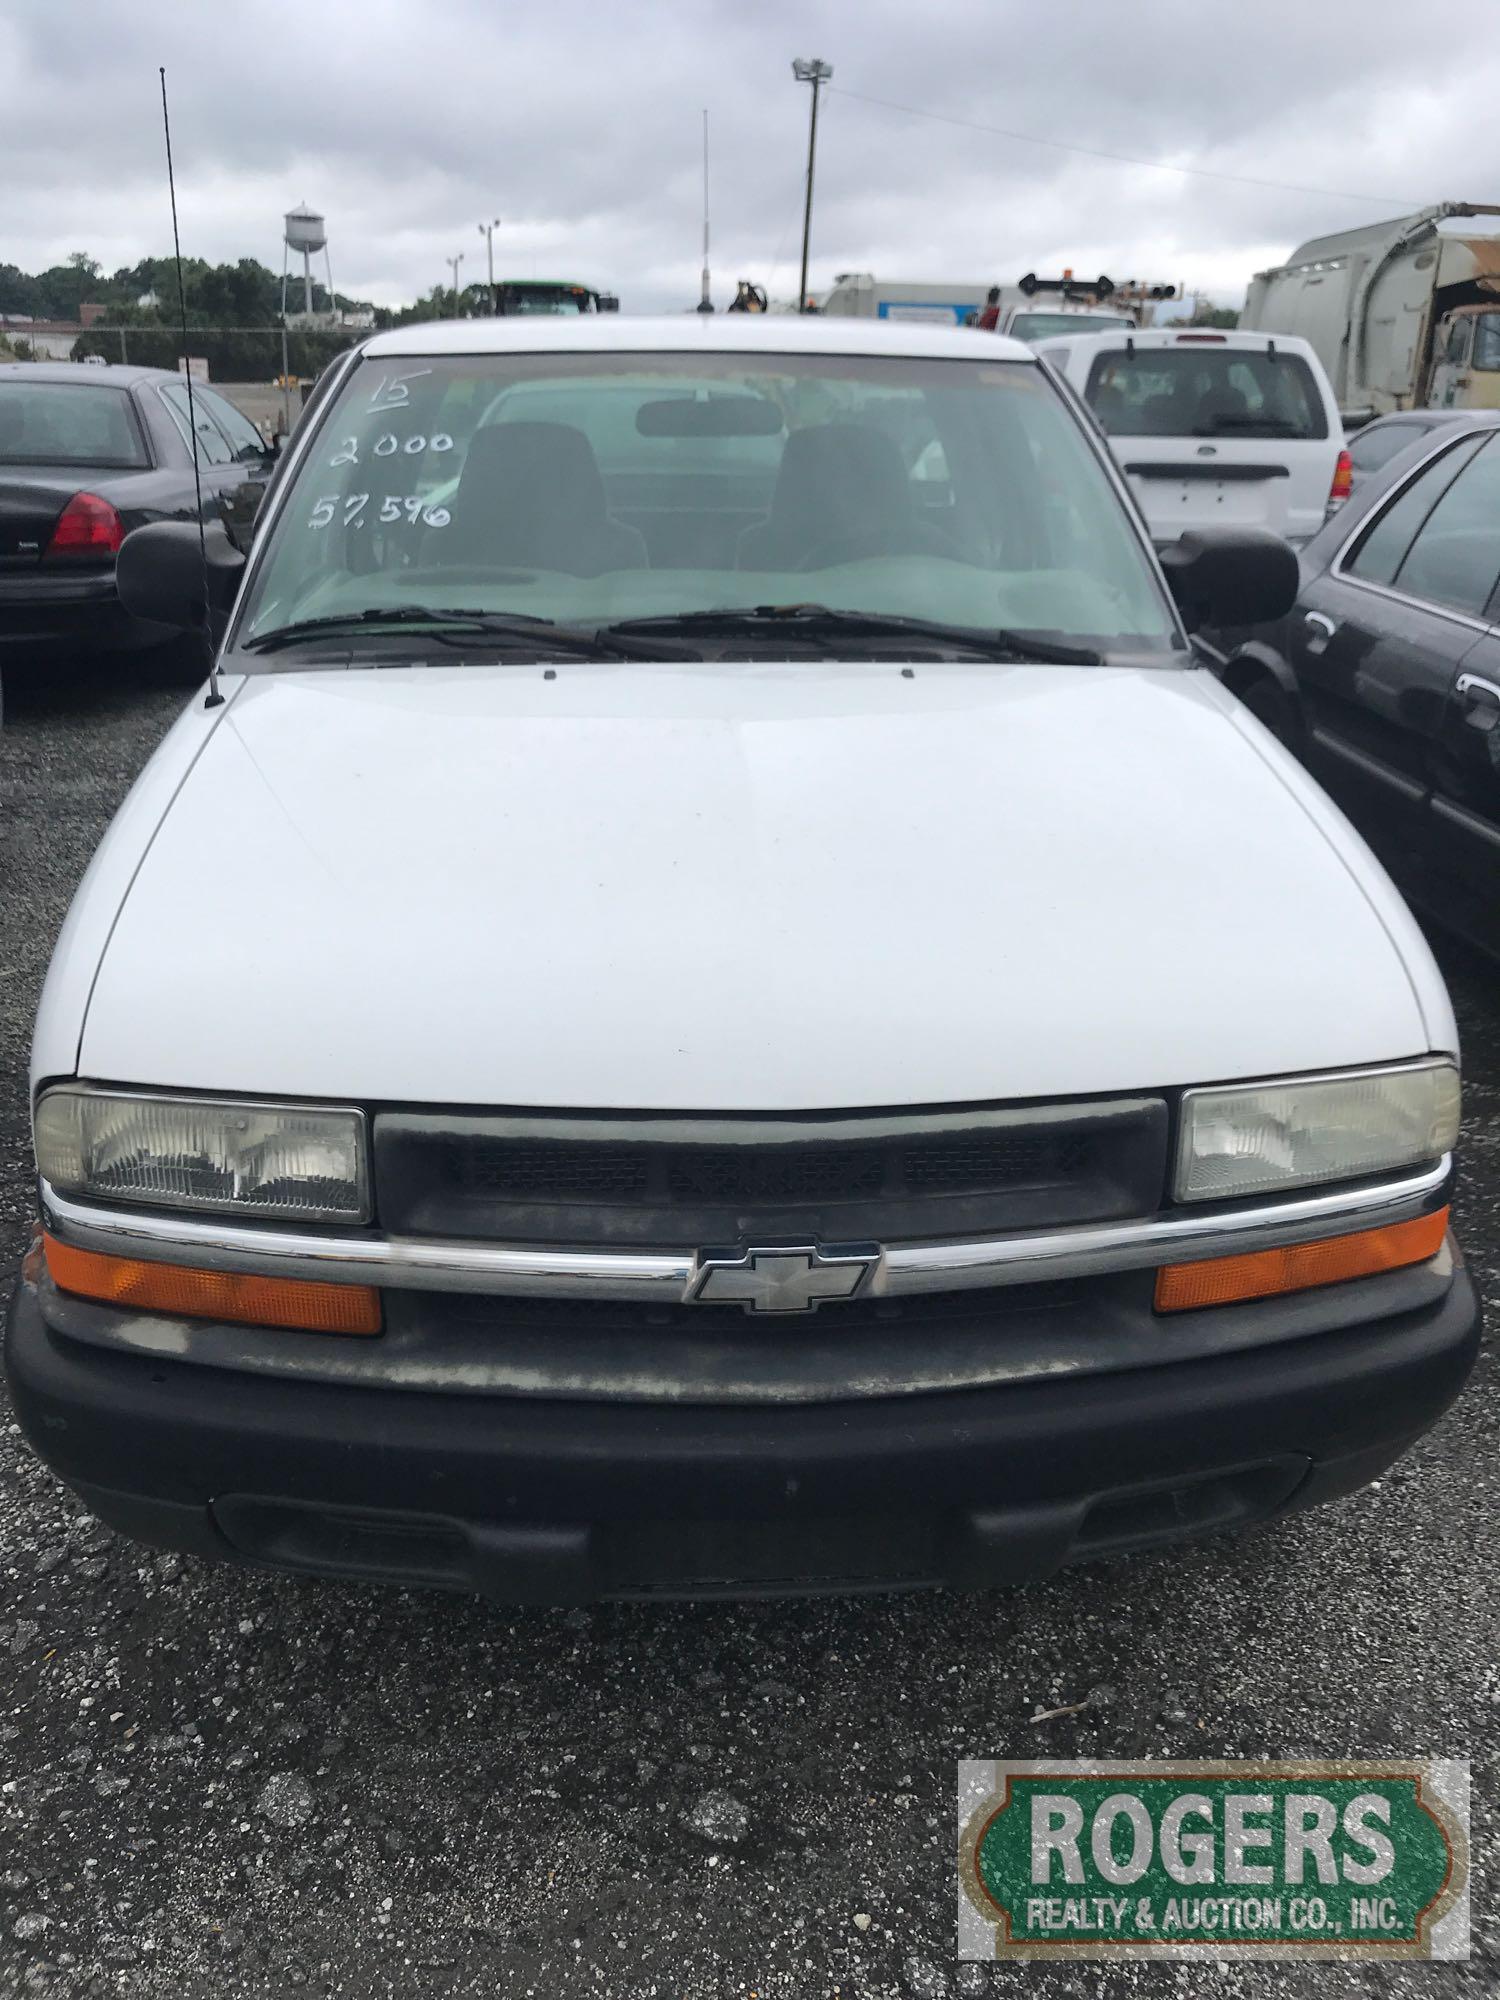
[[728, 887]]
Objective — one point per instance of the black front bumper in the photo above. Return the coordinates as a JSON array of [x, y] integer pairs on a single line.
[[529, 1499]]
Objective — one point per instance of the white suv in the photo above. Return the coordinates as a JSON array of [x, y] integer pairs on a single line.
[[715, 1002], [1214, 429]]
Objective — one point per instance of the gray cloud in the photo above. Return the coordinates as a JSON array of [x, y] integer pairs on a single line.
[[579, 126]]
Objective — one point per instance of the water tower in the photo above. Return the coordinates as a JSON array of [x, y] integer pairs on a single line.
[[303, 232]]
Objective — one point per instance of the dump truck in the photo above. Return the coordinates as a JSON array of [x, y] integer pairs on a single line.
[[1402, 314]]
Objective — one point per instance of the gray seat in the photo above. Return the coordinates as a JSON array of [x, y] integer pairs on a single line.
[[842, 495], [1220, 406], [530, 496], [1111, 409]]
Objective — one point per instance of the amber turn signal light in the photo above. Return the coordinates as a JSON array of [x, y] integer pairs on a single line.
[[1219, 1281], [226, 1295]]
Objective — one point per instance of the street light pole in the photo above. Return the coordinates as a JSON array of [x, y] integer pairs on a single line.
[[817, 73], [453, 264], [487, 231]]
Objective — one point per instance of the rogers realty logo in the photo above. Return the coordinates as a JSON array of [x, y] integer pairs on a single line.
[[1351, 1860]]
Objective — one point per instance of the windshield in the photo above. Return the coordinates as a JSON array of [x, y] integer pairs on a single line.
[[591, 488], [1205, 392], [1045, 325], [1487, 341], [62, 423]]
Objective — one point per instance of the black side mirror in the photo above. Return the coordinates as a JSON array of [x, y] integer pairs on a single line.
[[1231, 576], [161, 575]]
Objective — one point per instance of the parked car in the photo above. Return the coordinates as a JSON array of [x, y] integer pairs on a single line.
[[663, 1031], [1374, 445], [1214, 429], [87, 454], [1384, 678]]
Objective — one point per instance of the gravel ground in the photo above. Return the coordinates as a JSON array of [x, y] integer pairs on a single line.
[[214, 1781]]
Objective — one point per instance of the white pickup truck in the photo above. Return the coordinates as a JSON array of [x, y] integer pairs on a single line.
[[693, 1011]]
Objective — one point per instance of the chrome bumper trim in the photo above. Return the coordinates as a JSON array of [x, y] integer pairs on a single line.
[[667, 1276]]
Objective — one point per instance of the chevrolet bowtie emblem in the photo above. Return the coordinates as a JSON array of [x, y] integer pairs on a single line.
[[782, 1280]]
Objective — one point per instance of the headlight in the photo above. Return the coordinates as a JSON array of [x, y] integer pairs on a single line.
[[1258, 1138], [300, 1163]]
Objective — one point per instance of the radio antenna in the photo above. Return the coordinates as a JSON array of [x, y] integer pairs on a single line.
[[214, 696], [705, 303]]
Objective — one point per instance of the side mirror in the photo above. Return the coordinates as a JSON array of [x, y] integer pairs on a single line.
[[1231, 576], [160, 574]]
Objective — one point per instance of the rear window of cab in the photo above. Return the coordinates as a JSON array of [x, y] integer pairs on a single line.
[[1205, 392]]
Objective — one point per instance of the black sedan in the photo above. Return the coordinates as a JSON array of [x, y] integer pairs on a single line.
[[87, 454], [1384, 678]]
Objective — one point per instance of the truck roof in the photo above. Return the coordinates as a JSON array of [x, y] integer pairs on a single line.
[[692, 333], [1369, 235]]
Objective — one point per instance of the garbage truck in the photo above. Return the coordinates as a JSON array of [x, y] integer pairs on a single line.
[[1403, 314]]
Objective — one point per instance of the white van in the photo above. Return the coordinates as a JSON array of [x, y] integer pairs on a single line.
[[1214, 429]]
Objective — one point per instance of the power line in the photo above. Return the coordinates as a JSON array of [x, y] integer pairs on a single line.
[[1122, 159]]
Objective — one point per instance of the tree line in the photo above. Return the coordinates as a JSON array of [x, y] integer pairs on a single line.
[[142, 299]]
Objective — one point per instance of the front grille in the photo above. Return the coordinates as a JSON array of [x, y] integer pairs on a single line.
[[686, 1183], [775, 1173], [547, 1172], [945, 1169]]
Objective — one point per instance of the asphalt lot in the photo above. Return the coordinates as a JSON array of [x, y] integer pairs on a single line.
[[220, 1782]]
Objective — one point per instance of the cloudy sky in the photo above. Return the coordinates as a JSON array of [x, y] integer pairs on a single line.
[[409, 121]]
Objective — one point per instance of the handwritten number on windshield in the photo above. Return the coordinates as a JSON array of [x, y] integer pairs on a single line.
[[388, 444], [410, 507]]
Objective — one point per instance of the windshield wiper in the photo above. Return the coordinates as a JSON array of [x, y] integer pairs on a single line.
[[447, 628], [820, 621]]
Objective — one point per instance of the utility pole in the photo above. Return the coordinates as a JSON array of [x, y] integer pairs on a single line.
[[453, 264], [816, 72], [487, 231]]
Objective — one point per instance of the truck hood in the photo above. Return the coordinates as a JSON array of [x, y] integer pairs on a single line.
[[762, 887]]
